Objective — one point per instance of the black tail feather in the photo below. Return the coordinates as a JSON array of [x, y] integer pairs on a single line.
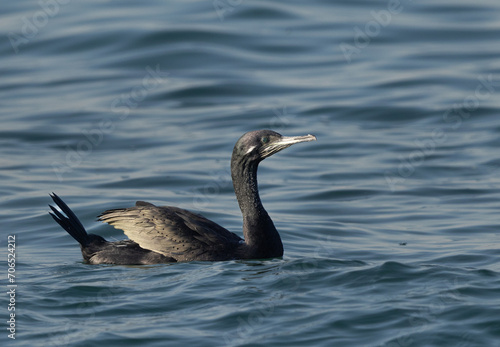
[[70, 222]]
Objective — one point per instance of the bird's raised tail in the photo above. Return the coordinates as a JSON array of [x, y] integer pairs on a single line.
[[70, 222]]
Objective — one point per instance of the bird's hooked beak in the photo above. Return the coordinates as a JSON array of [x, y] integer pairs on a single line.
[[282, 143]]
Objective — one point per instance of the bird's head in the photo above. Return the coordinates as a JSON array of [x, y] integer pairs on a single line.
[[260, 144]]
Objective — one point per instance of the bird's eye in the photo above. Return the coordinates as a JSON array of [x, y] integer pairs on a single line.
[[265, 139]]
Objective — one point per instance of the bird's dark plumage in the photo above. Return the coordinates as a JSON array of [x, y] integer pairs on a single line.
[[165, 234], [174, 232]]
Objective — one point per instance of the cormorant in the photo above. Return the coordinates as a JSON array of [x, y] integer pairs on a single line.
[[165, 234]]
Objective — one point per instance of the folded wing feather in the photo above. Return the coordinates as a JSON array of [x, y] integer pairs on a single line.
[[171, 231]]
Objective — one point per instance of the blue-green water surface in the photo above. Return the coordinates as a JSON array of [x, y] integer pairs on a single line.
[[390, 221]]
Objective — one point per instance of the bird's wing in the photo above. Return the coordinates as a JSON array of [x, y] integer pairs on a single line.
[[171, 231]]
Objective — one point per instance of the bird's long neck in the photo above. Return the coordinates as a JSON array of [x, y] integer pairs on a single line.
[[259, 231]]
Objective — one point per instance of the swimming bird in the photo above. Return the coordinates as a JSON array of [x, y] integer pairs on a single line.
[[166, 234]]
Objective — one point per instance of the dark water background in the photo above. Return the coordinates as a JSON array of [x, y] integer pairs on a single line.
[[390, 221]]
